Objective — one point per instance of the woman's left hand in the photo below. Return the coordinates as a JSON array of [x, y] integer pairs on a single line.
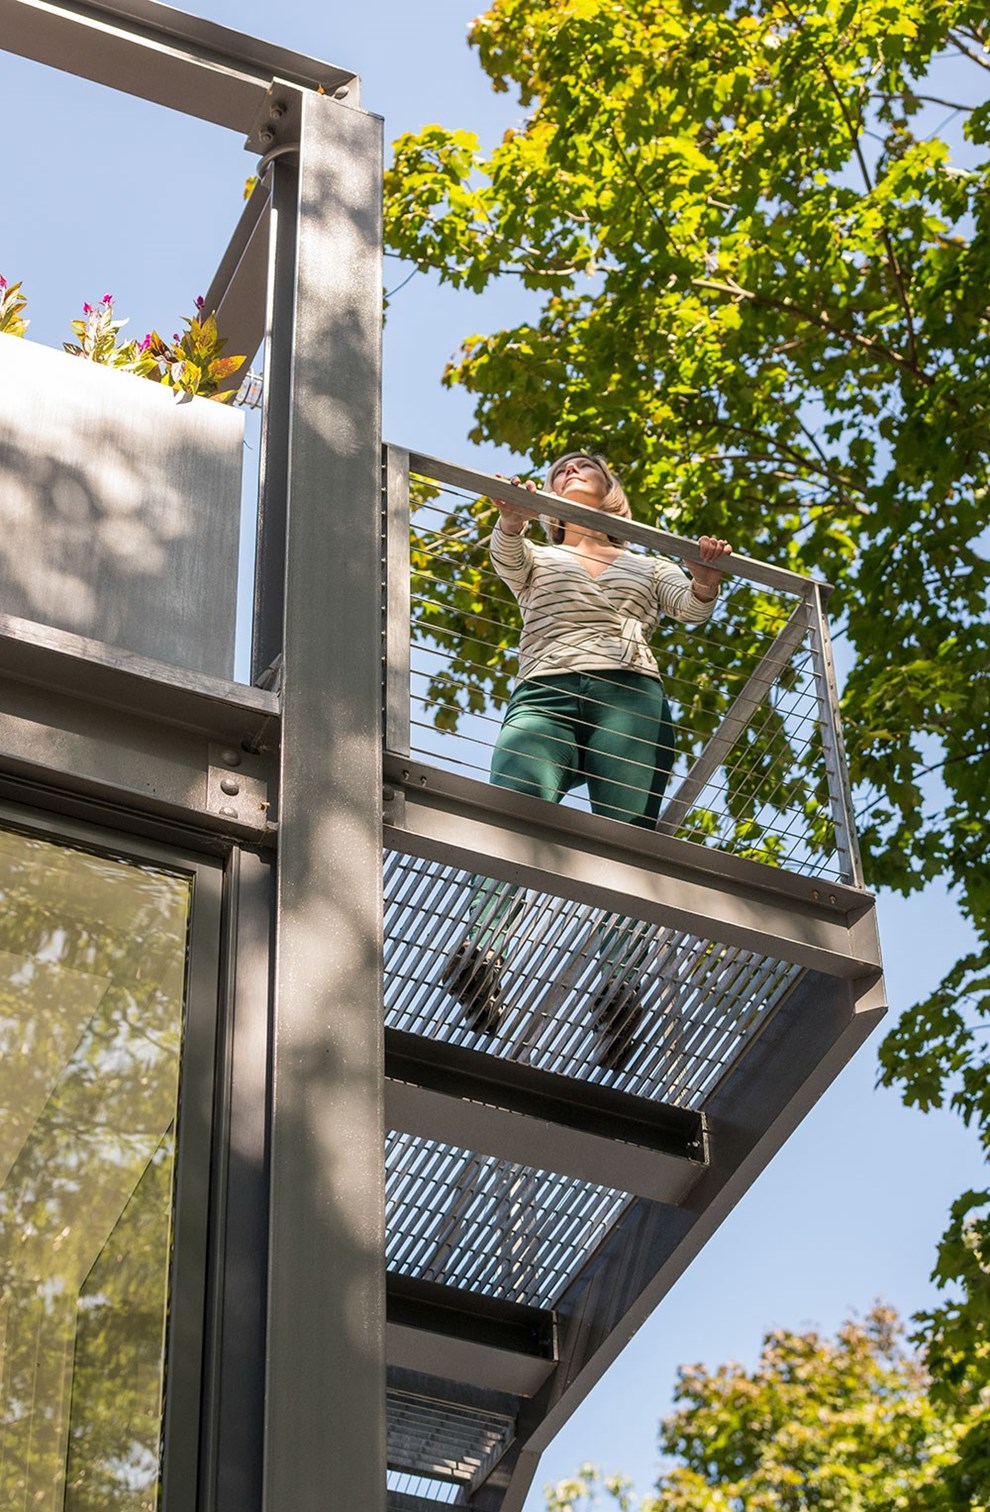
[[705, 577]]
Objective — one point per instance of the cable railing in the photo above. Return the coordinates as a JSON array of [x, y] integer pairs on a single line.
[[753, 743]]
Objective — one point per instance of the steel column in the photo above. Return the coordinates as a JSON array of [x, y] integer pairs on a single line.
[[325, 1396], [236, 294]]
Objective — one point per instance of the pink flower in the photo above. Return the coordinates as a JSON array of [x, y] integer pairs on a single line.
[[87, 309], [200, 301], [3, 282], [108, 299], [145, 344], [176, 336]]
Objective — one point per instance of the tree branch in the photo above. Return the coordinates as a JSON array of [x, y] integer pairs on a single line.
[[926, 771], [854, 135], [840, 482], [790, 307], [778, 450], [968, 52], [880, 94], [664, 229]]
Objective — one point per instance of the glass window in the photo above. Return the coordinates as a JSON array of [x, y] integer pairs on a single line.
[[92, 970]]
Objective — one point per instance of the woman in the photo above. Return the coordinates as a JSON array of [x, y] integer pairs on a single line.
[[588, 707]]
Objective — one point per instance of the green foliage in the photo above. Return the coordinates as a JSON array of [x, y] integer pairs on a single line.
[[845, 1424], [841, 1425], [98, 340], [937, 1055], [193, 362], [12, 305], [462, 608], [762, 291]]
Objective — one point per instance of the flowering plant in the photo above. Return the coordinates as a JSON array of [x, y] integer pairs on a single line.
[[98, 341], [193, 361], [12, 302]]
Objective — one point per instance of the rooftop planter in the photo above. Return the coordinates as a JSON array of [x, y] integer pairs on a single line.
[[119, 507]]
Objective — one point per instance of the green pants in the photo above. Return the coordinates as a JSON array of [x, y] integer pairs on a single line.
[[611, 730]]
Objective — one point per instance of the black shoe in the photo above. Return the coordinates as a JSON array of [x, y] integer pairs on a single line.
[[472, 978], [616, 1014]]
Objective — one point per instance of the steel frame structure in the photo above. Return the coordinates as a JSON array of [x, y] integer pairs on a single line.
[[311, 1347]]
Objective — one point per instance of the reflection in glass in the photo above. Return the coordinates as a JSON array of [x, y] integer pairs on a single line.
[[92, 964]]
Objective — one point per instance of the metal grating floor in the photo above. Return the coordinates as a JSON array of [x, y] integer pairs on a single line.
[[703, 1002], [417, 1493], [488, 1226], [479, 1224], [431, 1440]]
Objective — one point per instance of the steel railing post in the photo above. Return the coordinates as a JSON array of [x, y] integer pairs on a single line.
[[397, 599], [735, 720], [836, 768]]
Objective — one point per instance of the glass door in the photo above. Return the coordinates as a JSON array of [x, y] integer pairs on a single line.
[[94, 966]]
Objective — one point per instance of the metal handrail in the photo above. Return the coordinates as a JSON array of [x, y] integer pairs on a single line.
[[806, 622], [764, 573]]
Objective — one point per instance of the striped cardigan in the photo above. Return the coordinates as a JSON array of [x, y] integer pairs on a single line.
[[573, 622]]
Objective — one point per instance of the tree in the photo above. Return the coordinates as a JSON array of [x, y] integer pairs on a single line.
[[763, 291], [844, 1425]]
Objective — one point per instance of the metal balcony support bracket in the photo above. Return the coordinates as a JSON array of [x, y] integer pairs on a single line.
[[113, 727], [236, 294], [750, 698], [397, 599], [497, 1352], [636, 873], [751, 1115], [464, 1393], [459, 1397], [325, 1389], [836, 767], [541, 1119], [163, 55], [237, 785]]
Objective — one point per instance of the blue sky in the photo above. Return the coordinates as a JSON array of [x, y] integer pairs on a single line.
[[127, 198]]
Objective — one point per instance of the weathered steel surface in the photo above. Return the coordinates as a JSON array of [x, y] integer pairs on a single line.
[[119, 508]]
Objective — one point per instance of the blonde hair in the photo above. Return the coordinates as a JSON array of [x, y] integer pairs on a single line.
[[614, 502]]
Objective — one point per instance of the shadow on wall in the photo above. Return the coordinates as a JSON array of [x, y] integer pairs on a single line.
[[119, 508]]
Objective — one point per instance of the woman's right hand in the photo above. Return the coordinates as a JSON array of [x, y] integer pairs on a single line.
[[512, 517]]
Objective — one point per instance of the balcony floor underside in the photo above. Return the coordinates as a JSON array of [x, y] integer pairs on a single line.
[[497, 1138]]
